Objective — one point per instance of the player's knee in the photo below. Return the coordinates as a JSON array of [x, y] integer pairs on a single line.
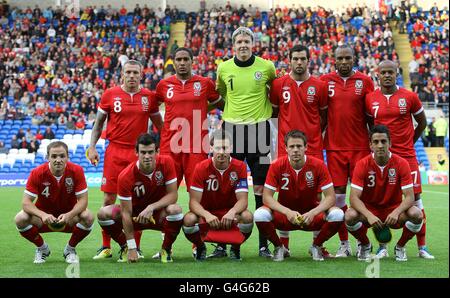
[[335, 215], [246, 217], [102, 214], [22, 219], [87, 218], [414, 214], [262, 214], [350, 216], [190, 219], [173, 209]]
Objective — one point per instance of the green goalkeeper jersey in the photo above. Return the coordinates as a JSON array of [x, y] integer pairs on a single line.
[[244, 86]]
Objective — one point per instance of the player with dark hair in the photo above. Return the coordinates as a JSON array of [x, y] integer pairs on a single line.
[[379, 182], [147, 190]]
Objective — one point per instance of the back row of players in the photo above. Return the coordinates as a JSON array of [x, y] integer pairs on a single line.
[[341, 104]]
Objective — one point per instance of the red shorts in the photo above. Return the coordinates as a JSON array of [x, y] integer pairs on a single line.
[[47, 229], [282, 223], [342, 163], [415, 173], [185, 164], [117, 158], [383, 213], [231, 236]]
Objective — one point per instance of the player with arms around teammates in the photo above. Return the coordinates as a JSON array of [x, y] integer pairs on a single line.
[[379, 182], [243, 82], [347, 89], [394, 107], [218, 196], [127, 109], [147, 190], [60, 190]]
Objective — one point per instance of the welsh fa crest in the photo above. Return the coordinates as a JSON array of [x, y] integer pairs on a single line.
[[258, 75], [309, 176], [144, 101], [391, 172], [311, 90], [358, 84], [197, 88], [402, 102], [233, 176], [69, 184], [159, 175]]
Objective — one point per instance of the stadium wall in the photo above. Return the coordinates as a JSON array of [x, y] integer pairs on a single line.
[[195, 5]]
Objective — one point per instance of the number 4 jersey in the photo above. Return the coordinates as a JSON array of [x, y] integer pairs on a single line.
[[127, 114], [56, 196]]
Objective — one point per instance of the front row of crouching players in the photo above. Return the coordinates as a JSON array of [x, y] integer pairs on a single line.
[[147, 191]]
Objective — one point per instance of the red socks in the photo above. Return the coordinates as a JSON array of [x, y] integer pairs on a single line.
[[32, 235]]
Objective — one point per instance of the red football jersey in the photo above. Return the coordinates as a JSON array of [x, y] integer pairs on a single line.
[[382, 187], [346, 125], [299, 109], [127, 114], [143, 190], [219, 188], [187, 102], [53, 196], [298, 189], [395, 112]]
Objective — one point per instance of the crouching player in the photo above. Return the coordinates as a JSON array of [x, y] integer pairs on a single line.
[[378, 183], [147, 190], [61, 206], [218, 196], [298, 178]]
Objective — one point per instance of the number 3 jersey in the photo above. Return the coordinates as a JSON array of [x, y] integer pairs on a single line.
[[298, 189], [53, 196], [219, 188], [299, 104], [381, 186], [185, 117], [143, 190], [127, 114]]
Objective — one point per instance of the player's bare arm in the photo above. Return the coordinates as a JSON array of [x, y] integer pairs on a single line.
[[273, 204], [240, 206], [29, 207], [195, 198], [157, 121], [407, 203], [80, 206], [358, 205], [326, 203], [126, 209], [169, 199], [421, 120], [323, 119], [95, 136]]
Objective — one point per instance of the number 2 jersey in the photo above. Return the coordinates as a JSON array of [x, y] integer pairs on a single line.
[[128, 114], [298, 189], [53, 196], [143, 190], [219, 188]]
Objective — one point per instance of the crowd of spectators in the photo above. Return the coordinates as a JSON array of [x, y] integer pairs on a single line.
[[429, 38], [54, 67]]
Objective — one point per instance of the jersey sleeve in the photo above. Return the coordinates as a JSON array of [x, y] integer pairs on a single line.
[[271, 179], [272, 73], [213, 95], [154, 106], [242, 185], [405, 175], [416, 104], [105, 103], [159, 93], [124, 186], [80, 181], [169, 171], [221, 87], [370, 87], [358, 176], [324, 178], [31, 188], [368, 105], [323, 100], [274, 93], [197, 179]]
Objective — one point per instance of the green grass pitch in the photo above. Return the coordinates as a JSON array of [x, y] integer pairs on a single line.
[[18, 254]]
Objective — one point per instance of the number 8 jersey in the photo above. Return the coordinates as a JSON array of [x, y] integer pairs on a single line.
[[128, 114]]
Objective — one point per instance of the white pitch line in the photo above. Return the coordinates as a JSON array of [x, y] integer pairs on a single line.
[[437, 192]]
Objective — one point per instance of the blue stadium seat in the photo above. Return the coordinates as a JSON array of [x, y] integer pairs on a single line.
[[5, 170]]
